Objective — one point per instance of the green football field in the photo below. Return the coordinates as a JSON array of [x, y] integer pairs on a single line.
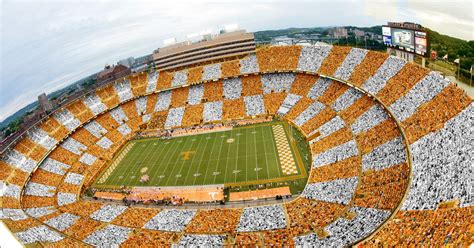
[[241, 156]]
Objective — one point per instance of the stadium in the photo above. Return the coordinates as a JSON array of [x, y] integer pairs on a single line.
[[302, 145]]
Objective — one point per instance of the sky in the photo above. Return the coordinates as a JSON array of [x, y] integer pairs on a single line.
[[47, 45]]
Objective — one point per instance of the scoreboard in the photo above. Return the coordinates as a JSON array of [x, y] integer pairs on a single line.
[[406, 38]]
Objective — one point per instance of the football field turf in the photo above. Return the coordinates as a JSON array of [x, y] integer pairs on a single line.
[[241, 156]]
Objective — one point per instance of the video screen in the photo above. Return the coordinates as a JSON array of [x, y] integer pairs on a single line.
[[386, 31], [421, 43], [405, 40]]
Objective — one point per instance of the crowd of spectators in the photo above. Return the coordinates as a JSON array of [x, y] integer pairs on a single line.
[[163, 101], [367, 68], [338, 153], [278, 58], [277, 82], [344, 232], [254, 105], [388, 154], [435, 228], [95, 129], [372, 177], [249, 65], [94, 103], [152, 80], [193, 115], [212, 111], [309, 113], [334, 60], [179, 97], [196, 92], [39, 233], [63, 221], [123, 90], [80, 111], [201, 240], [215, 221], [73, 178], [118, 115], [170, 220], [311, 57], [336, 191], [108, 96], [387, 70], [109, 236], [18, 160], [66, 119], [422, 92], [442, 167], [179, 78], [351, 61], [108, 213], [105, 143], [195, 75], [234, 109], [37, 189], [73, 146], [175, 117], [262, 218], [65, 198], [348, 98], [382, 189], [230, 68], [39, 136], [288, 103], [232, 88], [369, 119], [211, 72], [141, 105]]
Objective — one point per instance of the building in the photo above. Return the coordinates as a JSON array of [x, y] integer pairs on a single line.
[[128, 62], [207, 47], [281, 41], [111, 73], [340, 32], [359, 33], [44, 103]]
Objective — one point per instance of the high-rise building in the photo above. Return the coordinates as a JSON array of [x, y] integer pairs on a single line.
[[128, 62], [44, 104], [202, 48], [339, 32]]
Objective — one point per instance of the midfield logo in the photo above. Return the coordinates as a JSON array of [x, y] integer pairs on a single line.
[[187, 154]]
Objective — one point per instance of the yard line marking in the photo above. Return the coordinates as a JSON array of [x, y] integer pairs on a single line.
[[245, 157], [147, 152], [225, 170], [207, 166], [115, 163], [256, 152], [175, 151], [192, 161], [201, 159], [157, 164], [237, 156], [125, 171], [182, 162]]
